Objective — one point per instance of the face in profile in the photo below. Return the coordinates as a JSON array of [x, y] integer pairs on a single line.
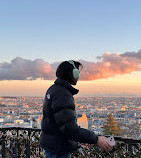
[[74, 82]]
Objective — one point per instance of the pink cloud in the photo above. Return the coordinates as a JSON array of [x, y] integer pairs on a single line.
[[108, 65]]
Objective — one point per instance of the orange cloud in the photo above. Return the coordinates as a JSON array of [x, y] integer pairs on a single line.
[[108, 65], [111, 65]]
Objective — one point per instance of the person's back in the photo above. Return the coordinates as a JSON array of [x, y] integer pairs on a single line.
[[51, 137]]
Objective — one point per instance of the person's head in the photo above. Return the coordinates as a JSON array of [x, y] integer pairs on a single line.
[[65, 71]]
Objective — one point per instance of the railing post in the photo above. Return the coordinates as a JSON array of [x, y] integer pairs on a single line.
[[3, 143], [27, 145], [3, 147], [130, 150], [18, 149], [27, 152], [18, 144]]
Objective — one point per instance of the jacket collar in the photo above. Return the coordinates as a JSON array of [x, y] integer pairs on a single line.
[[67, 85]]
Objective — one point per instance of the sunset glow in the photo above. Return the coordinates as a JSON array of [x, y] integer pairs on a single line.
[[37, 36], [129, 84]]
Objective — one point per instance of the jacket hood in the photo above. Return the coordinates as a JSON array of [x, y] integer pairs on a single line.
[[67, 85]]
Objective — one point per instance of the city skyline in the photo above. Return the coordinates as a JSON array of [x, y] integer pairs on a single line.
[[103, 36]]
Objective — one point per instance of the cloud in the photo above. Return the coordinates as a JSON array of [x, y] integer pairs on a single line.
[[132, 54], [108, 65], [111, 65], [23, 69]]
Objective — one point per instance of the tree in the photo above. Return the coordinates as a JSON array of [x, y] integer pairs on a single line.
[[111, 126]]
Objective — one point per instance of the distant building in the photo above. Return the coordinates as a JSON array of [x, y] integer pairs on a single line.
[[1, 119], [83, 121], [39, 122], [34, 122], [97, 131], [20, 121]]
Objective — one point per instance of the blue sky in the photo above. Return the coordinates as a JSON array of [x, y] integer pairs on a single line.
[[56, 30]]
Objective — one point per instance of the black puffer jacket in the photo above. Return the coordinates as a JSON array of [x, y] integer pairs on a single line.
[[60, 132]]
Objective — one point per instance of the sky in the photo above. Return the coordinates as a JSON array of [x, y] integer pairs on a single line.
[[35, 36]]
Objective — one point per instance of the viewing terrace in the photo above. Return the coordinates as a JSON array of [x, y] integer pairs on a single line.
[[19, 142]]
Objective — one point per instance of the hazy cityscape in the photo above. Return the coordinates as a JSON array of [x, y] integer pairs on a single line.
[[91, 113]]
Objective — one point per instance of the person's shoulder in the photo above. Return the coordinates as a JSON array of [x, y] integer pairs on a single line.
[[56, 88]]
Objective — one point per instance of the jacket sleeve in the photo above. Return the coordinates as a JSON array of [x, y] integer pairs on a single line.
[[65, 116]]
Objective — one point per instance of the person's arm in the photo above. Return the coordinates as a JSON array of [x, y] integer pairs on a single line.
[[65, 117]]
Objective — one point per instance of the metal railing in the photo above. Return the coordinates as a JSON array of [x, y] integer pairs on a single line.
[[16, 142]]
